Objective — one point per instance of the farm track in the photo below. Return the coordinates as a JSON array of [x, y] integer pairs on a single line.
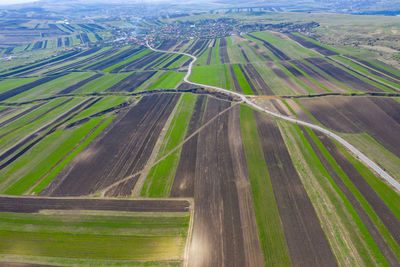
[[364, 159]]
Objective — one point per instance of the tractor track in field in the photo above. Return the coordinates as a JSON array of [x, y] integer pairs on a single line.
[[358, 154]]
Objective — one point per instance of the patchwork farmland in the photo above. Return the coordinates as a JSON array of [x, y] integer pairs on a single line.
[[110, 155]]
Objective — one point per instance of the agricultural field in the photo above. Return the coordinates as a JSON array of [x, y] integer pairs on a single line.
[[111, 155]]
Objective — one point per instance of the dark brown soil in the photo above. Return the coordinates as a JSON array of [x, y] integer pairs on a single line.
[[121, 151], [305, 238], [183, 185], [235, 80], [223, 52], [35, 204], [303, 78], [209, 56], [343, 76], [258, 80], [132, 82]]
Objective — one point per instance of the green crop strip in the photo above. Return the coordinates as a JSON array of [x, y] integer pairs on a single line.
[[168, 81], [309, 77], [136, 237], [242, 80], [272, 238], [160, 178], [58, 167], [378, 223], [141, 54]]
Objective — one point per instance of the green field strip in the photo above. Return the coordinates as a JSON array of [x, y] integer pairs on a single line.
[[169, 80], [114, 245], [277, 85], [270, 230], [29, 117], [27, 129], [365, 71], [92, 38], [60, 261], [290, 48], [309, 77], [202, 60], [365, 205], [295, 79], [52, 173], [161, 177], [386, 193], [349, 238], [242, 80], [8, 84], [103, 104], [31, 166], [228, 41], [329, 78], [317, 43], [102, 83], [235, 55], [263, 48], [215, 53], [178, 63], [107, 57], [355, 74], [210, 75], [50, 88], [130, 59], [383, 66]]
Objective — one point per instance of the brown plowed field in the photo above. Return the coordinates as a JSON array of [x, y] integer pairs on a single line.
[[217, 235], [123, 189], [260, 51], [172, 61], [223, 52], [133, 81], [366, 63], [303, 78], [35, 204], [318, 77], [167, 44], [258, 80], [389, 106], [343, 76], [122, 151], [183, 185], [362, 113], [139, 63], [305, 238], [371, 196]]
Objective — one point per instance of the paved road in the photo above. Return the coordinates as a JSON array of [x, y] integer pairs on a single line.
[[346, 144]]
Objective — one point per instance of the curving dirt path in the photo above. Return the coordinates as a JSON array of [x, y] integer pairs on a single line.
[[369, 163]]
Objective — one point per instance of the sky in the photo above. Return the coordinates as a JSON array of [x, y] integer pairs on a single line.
[[10, 2]]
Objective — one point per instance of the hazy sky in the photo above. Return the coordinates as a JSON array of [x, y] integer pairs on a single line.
[[10, 2]]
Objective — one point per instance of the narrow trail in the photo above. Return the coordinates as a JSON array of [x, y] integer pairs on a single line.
[[363, 158]]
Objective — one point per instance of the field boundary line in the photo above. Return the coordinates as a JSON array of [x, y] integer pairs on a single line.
[[358, 154]]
